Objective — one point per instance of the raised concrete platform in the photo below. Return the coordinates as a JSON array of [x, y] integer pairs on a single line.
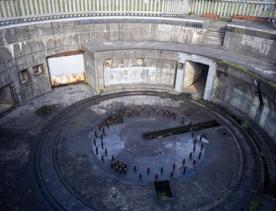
[[76, 177], [260, 67], [20, 132]]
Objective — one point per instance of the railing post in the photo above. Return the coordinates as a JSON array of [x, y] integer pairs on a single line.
[[12, 8], [29, 8], [239, 8], [203, 7], [155, 7], [53, 4], [199, 7], [81, 6]]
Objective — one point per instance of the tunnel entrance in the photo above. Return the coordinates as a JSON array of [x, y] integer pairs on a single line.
[[6, 98], [195, 78], [66, 68]]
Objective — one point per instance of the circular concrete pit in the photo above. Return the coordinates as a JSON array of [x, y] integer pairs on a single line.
[[95, 155], [173, 112]]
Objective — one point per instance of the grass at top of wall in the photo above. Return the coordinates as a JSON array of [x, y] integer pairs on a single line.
[[246, 71], [254, 205]]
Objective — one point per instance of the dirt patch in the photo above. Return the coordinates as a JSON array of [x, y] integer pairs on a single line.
[[46, 110]]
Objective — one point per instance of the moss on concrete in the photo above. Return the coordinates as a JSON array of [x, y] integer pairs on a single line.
[[246, 71], [245, 124]]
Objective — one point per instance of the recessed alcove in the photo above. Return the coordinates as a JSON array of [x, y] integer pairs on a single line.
[[6, 98]]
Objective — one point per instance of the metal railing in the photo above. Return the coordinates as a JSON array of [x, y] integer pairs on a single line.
[[15, 9]]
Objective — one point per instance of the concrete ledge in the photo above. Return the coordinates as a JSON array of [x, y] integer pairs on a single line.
[[192, 22], [260, 67]]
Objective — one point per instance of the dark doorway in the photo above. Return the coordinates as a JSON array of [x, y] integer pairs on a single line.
[[6, 98], [195, 78], [163, 190]]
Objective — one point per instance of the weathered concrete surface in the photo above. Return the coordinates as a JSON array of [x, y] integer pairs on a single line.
[[97, 186], [23, 46], [18, 136], [208, 56], [239, 90], [251, 39], [260, 67], [253, 101], [135, 68], [251, 46], [24, 117], [18, 179]]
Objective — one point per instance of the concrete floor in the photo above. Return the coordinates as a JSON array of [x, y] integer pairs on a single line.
[[125, 143], [77, 170], [50, 162], [18, 132]]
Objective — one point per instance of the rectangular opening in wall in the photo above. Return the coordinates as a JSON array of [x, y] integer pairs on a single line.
[[163, 190], [195, 78], [38, 70], [66, 69], [6, 98], [23, 76]]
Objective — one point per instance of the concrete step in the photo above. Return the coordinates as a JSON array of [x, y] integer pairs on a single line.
[[212, 42], [216, 27], [214, 34], [218, 31], [213, 39], [217, 24]]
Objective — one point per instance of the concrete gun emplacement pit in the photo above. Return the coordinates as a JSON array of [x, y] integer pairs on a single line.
[[137, 105]]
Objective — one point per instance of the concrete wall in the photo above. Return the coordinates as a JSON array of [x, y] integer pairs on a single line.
[[89, 63], [255, 43], [125, 69], [118, 70], [238, 92], [23, 46], [26, 45]]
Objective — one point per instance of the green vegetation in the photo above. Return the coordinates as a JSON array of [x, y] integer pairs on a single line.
[[224, 19], [163, 195], [255, 204], [245, 124], [233, 65]]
